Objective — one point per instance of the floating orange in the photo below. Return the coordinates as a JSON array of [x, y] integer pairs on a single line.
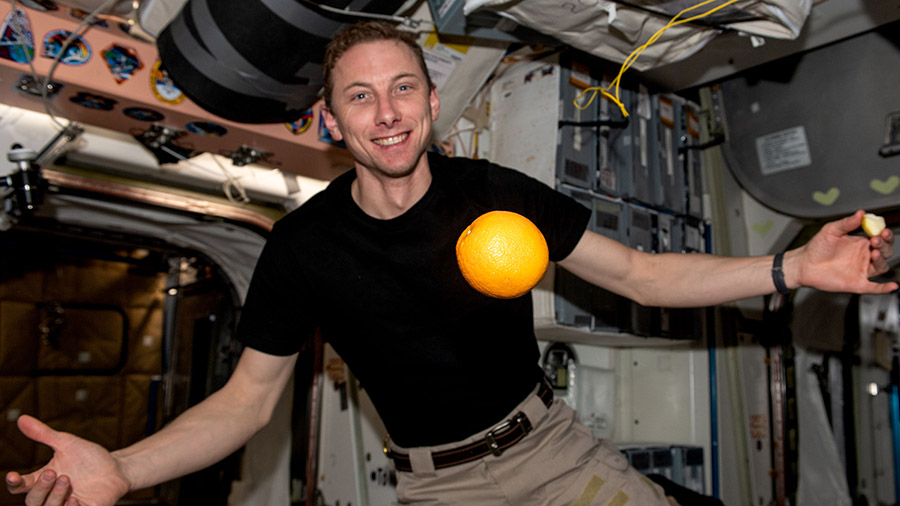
[[502, 254]]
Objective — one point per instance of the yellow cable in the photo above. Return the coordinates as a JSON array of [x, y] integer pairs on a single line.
[[637, 52]]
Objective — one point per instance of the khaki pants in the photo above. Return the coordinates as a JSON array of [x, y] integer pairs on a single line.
[[559, 463]]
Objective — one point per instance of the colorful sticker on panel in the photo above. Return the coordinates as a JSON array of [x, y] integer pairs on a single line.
[[301, 124], [206, 129], [164, 89], [17, 39], [141, 114], [92, 101], [122, 62], [77, 52]]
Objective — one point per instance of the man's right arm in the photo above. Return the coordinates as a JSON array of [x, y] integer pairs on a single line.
[[201, 436]]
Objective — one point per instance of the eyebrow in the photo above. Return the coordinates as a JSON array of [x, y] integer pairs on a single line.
[[397, 77]]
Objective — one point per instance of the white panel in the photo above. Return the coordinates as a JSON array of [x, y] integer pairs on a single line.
[[339, 478], [379, 472], [754, 388], [668, 394], [524, 116]]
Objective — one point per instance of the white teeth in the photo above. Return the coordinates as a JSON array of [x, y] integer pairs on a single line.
[[390, 141]]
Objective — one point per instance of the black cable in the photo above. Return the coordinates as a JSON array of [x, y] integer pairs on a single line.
[[612, 123]]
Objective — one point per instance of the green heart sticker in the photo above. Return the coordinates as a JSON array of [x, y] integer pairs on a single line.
[[763, 228], [827, 198], [885, 187]]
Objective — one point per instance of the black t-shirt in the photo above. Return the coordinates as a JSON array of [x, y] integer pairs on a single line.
[[439, 360]]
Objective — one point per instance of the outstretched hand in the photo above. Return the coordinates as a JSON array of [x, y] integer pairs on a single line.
[[835, 261], [80, 473]]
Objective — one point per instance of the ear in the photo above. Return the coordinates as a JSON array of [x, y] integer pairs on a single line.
[[331, 123], [435, 103]]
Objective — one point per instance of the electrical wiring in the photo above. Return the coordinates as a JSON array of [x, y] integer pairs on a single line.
[[637, 52], [457, 132], [231, 184], [232, 188], [20, 33], [229, 187], [80, 30]]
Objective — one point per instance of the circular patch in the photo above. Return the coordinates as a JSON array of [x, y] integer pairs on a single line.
[[77, 52], [206, 128], [164, 89], [141, 114]]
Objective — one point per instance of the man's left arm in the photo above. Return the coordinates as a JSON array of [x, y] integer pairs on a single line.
[[833, 260]]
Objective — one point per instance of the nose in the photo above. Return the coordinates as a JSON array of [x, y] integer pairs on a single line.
[[387, 113]]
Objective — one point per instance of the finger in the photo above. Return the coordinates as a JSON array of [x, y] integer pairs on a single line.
[[38, 431], [880, 253], [14, 483], [880, 288], [849, 224], [60, 492], [886, 245], [41, 489]]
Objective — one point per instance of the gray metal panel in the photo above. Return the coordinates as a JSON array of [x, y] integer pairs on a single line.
[[838, 98], [642, 320], [669, 233], [621, 148], [645, 174], [572, 294], [641, 227], [577, 302], [669, 188], [609, 310], [692, 159], [612, 171], [576, 155], [687, 467]]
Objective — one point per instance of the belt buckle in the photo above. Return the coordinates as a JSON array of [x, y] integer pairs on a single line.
[[492, 440]]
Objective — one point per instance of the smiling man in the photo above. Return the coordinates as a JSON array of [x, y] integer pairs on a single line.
[[381, 103], [453, 373]]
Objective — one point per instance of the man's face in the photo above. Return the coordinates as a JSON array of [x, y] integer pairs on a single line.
[[382, 107]]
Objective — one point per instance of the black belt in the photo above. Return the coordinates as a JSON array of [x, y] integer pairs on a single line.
[[495, 441]]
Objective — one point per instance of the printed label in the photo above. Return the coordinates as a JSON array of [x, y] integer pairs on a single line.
[[783, 150]]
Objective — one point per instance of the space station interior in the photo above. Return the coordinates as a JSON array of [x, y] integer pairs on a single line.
[[143, 175]]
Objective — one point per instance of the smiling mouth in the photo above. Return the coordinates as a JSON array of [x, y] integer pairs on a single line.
[[390, 141]]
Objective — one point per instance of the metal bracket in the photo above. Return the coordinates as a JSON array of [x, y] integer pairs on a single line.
[[157, 136], [28, 84], [246, 155]]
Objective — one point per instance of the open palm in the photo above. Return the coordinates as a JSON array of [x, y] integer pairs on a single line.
[[95, 476], [837, 261]]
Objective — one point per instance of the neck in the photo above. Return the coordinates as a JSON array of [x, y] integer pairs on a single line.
[[386, 197]]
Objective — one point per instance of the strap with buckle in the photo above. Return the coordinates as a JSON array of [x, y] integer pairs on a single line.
[[495, 442]]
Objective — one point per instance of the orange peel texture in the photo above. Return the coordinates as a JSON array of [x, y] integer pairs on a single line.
[[502, 254]]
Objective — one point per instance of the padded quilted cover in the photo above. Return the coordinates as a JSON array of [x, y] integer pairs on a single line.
[[612, 31]]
